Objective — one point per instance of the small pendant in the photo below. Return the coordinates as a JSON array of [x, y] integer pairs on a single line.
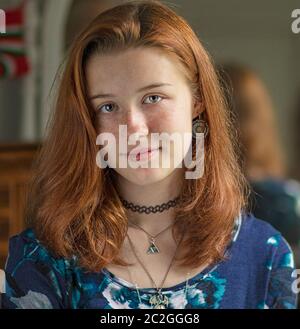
[[159, 301], [159, 306], [153, 249]]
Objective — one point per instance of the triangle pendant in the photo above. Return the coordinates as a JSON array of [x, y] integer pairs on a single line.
[[153, 249]]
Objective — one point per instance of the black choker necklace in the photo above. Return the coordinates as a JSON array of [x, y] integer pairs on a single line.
[[150, 209]]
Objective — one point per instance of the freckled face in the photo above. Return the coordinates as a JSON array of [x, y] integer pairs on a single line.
[[145, 90]]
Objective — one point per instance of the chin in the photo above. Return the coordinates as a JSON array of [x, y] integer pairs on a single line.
[[145, 176]]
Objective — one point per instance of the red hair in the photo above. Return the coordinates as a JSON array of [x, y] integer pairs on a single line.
[[73, 205]]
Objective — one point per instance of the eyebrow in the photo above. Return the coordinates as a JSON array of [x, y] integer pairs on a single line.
[[153, 85]]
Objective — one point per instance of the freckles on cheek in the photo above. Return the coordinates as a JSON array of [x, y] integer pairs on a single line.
[[103, 125], [163, 123]]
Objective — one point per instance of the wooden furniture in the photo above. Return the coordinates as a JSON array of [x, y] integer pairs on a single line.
[[15, 172]]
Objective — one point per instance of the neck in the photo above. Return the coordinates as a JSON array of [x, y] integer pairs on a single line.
[[151, 195]]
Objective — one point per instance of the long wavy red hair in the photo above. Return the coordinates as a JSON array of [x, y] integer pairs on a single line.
[[73, 205]]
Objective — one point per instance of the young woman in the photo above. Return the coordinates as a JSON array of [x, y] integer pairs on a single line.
[[120, 237]]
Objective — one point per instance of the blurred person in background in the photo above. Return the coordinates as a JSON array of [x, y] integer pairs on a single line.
[[275, 197]]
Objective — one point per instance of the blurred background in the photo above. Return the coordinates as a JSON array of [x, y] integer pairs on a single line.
[[255, 52]]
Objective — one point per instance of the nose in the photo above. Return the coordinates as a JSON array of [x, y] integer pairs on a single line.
[[136, 122]]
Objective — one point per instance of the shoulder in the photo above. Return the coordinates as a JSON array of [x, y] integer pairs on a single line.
[[29, 260], [34, 277], [25, 246], [262, 240], [257, 226], [272, 256]]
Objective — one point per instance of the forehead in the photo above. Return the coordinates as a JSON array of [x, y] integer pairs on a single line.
[[131, 68]]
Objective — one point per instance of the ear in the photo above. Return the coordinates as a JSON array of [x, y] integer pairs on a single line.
[[197, 109]]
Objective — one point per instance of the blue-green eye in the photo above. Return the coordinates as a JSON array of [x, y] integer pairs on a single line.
[[154, 96], [106, 110]]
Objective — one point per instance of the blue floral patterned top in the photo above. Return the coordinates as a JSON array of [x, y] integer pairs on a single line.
[[257, 273]]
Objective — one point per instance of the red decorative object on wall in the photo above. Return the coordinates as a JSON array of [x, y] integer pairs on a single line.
[[13, 60]]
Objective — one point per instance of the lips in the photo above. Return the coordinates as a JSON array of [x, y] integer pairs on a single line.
[[140, 151], [146, 155]]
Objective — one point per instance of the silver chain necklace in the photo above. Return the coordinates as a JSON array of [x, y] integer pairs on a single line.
[[152, 249], [159, 301]]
